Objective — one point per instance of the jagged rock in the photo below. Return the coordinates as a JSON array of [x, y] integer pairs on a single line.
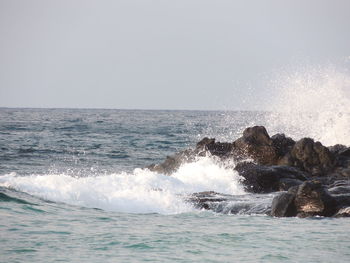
[[336, 149], [172, 163], [283, 205], [265, 179], [282, 144], [312, 157], [214, 148], [256, 144], [312, 199]]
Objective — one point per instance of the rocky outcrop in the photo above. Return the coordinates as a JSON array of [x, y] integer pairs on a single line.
[[266, 179], [314, 179], [308, 199], [256, 144]]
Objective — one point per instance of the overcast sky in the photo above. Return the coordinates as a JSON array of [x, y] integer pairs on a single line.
[[160, 54]]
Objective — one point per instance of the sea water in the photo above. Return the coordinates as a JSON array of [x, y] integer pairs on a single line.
[[72, 190], [73, 187]]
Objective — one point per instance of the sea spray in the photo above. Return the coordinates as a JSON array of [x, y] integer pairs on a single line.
[[311, 102], [142, 191]]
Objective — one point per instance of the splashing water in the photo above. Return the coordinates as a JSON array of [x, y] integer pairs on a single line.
[[312, 103], [142, 191]]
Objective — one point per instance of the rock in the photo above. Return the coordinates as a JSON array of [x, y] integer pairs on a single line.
[[345, 172], [266, 179], [283, 205], [335, 149], [282, 144], [345, 152], [342, 200], [205, 200], [339, 190], [285, 184], [229, 204], [344, 212], [312, 157], [312, 199], [172, 163], [256, 144]]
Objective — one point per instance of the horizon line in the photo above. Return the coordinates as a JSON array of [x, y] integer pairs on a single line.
[[125, 109]]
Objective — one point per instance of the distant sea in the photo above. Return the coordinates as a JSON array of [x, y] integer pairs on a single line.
[[73, 189]]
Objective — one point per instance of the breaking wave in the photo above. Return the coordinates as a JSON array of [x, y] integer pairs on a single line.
[[142, 191]]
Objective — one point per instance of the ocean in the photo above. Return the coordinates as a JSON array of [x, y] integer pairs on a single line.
[[73, 189]]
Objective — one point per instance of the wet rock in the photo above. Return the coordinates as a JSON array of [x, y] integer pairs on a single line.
[[282, 144], [205, 200], [343, 212], [312, 199], [283, 205], [230, 204], [256, 144], [266, 179], [339, 190], [342, 200], [285, 184], [312, 157], [172, 163]]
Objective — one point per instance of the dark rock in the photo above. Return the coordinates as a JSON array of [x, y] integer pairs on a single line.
[[219, 149], [229, 204], [283, 205], [293, 190], [256, 144], [343, 212], [342, 155], [342, 200], [265, 179], [286, 183], [205, 141], [339, 190], [205, 200], [335, 149], [312, 157], [282, 144], [345, 172], [345, 152], [172, 163], [312, 199], [214, 148]]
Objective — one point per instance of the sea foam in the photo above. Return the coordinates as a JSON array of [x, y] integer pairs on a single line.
[[142, 191]]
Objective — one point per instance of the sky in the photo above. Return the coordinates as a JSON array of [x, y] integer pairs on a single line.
[[161, 54]]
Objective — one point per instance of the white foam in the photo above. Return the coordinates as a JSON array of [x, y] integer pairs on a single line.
[[312, 102], [142, 191]]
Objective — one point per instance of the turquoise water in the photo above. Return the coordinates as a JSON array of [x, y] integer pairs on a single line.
[[71, 191]]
